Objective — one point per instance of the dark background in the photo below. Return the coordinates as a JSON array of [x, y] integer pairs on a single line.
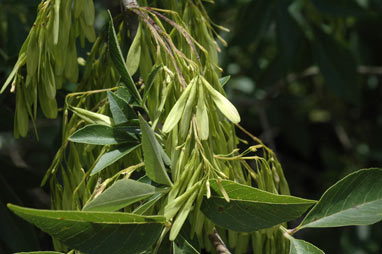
[[305, 77]]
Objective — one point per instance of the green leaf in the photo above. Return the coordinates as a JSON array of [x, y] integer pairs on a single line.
[[150, 81], [96, 232], [337, 65], [112, 156], [116, 56], [155, 168], [142, 209], [121, 194], [120, 109], [182, 246], [134, 54], [302, 247], [354, 200], [96, 134], [224, 80], [251, 209]]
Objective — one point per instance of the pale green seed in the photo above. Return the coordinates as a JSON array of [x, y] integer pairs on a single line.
[[134, 55], [223, 104]]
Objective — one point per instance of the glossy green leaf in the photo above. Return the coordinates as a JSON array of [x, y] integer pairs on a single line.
[[121, 194], [112, 156], [117, 58], [96, 232], [182, 246], [96, 134], [142, 209], [155, 168], [134, 54], [337, 65], [224, 80], [120, 109], [150, 81], [354, 200], [302, 247], [251, 209]]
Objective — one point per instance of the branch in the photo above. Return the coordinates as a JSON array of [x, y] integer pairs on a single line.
[[218, 243], [130, 17]]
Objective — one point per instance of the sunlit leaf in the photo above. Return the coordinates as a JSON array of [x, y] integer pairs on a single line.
[[97, 134], [155, 168], [251, 209], [121, 194], [113, 155], [354, 200], [116, 56]]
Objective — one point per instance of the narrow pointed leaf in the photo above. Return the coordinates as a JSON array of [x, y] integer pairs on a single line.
[[96, 232], [142, 209], [302, 247], [96, 134], [224, 80], [117, 58], [251, 209], [121, 194], [150, 81], [112, 156], [182, 246], [354, 200], [120, 109], [155, 168]]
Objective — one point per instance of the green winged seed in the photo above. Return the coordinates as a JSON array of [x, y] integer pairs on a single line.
[[32, 52], [177, 110], [21, 117], [134, 55], [223, 104], [49, 82], [92, 117], [187, 113], [56, 22], [89, 12], [202, 116]]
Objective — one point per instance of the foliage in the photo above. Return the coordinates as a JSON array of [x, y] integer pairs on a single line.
[[159, 154]]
